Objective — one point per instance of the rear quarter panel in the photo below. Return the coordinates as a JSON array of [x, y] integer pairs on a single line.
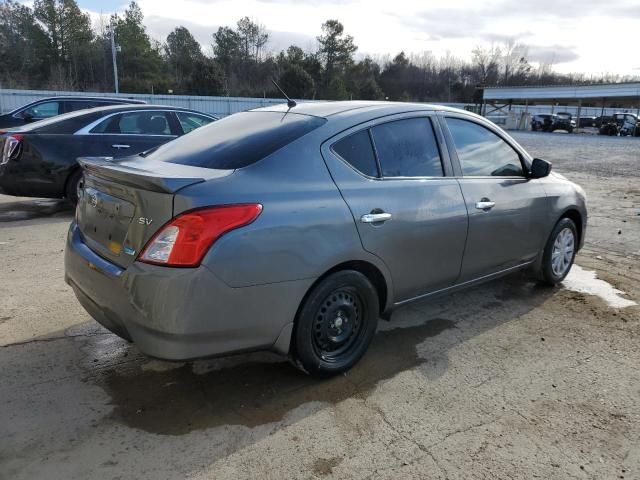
[[305, 227], [43, 166]]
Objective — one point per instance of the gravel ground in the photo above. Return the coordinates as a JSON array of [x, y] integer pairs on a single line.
[[506, 380]]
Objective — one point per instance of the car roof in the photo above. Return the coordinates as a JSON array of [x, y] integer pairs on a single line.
[[88, 97], [325, 109], [97, 110]]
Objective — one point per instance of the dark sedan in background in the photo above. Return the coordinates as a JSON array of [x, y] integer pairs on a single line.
[[39, 159], [52, 106]]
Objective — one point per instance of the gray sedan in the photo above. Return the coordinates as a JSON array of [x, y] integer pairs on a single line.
[[295, 229]]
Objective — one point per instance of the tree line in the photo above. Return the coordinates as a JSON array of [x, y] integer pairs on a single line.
[[53, 45]]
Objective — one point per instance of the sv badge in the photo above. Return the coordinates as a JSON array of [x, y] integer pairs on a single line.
[[145, 221]]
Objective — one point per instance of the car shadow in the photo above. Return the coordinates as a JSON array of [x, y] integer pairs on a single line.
[[34, 208], [257, 389]]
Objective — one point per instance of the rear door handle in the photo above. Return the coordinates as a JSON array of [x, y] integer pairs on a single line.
[[119, 146], [485, 204], [375, 217]]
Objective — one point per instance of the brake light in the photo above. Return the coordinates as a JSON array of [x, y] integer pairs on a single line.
[[11, 147], [185, 240]]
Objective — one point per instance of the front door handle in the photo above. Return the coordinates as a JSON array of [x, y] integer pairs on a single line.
[[120, 146], [375, 217], [485, 204]]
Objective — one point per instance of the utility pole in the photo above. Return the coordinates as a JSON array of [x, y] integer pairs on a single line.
[[113, 58]]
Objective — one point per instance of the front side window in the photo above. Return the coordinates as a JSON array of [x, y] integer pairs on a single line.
[[481, 152], [135, 123], [407, 148], [357, 151], [191, 121], [43, 110]]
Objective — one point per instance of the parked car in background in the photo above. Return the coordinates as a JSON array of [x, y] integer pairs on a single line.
[[550, 122], [50, 107], [39, 159], [608, 126], [627, 123], [619, 124], [294, 228], [586, 122], [564, 121], [542, 122]]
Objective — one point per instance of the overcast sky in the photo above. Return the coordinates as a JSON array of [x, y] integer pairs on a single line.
[[589, 36]]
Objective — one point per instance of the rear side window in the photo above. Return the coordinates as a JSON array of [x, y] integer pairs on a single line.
[[357, 150], [191, 121], [407, 148], [238, 140], [73, 105], [135, 123]]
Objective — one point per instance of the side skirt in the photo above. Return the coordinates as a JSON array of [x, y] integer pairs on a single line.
[[468, 283]]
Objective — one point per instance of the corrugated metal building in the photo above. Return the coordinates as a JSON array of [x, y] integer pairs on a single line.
[[596, 99]]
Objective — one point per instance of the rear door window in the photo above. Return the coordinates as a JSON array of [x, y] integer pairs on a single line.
[[191, 121], [136, 123], [358, 152], [407, 148], [238, 140]]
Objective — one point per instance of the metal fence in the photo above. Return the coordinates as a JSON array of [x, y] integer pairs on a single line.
[[219, 106], [11, 99]]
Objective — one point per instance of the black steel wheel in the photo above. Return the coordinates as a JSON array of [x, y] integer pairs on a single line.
[[335, 324]]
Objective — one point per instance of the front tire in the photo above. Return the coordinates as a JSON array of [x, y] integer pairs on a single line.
[[559, 252], [335, 324]]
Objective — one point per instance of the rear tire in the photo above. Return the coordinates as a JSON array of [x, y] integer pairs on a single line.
[[71, 189], [335, 324], [559, 252]]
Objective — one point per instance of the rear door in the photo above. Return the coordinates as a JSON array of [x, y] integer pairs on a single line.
[[507, 210], [408, 210], [128, 133]]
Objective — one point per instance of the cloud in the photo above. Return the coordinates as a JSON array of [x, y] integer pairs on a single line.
[[553, 54], [159, 27]]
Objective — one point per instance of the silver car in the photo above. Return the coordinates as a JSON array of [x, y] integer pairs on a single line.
[[295, 229]]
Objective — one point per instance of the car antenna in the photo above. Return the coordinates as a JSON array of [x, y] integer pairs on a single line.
[[290, 103]]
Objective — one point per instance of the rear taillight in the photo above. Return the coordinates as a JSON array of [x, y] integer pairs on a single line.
[[185, 240], [11, 148]]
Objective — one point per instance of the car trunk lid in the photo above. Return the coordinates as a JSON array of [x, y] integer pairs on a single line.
[[122, 204]]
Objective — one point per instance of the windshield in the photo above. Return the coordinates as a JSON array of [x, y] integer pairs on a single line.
[[237, 140]]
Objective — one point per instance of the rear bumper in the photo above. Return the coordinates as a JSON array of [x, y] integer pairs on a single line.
[[181, 314]]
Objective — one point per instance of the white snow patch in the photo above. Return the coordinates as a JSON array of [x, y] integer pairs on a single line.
[[586, 281]]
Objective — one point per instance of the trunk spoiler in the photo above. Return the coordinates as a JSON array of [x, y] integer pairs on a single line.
[[148, 174]]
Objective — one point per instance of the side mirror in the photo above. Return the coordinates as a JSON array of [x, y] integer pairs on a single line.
[[540, 168], [27, 117]]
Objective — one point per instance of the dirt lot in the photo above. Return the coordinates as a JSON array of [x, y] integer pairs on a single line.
[[507, 380]]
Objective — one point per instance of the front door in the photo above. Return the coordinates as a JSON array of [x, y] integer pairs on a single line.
[[407, 211], [507, 210]]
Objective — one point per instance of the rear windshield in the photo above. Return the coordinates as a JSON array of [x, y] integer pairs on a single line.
[[238, 140]]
